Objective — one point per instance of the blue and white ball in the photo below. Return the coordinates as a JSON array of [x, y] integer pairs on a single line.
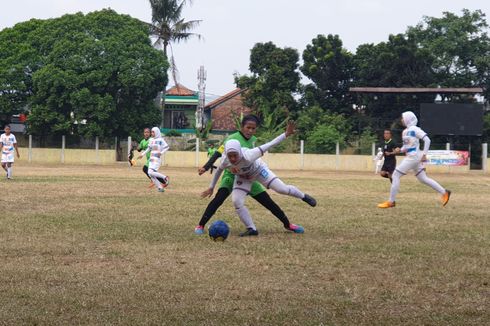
[[219, 230]]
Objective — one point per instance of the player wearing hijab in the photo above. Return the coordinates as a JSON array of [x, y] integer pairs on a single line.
[[157, 146], [8, 143], [142, 146], [248, 167], [247, 139], [414, 160]]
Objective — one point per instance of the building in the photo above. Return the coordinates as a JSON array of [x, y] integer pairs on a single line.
[[225, 110], [180, 109]]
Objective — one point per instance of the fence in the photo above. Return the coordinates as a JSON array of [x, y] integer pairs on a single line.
[[94, 151]]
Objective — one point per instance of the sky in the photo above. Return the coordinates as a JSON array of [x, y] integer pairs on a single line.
[[230, 28]]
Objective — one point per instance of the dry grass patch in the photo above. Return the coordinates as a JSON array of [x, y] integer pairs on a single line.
[[93, 245]]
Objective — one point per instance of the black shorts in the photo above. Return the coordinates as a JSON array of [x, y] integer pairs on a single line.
[[388, 167]]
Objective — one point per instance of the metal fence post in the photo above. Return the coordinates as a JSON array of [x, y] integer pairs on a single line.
[[29, 153], [97, 149], [373, 149], [337, 156], [63, 143], [197, 152], [302, 154], [484, 156], [448, 146]]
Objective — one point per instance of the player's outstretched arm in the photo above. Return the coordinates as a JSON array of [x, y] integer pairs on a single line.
[[209, 163], [257, 152]]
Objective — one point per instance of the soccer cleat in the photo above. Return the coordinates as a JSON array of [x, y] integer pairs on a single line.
[[199, 230], [249, 232], [309, 200], [296, 228], [166, 183], [387, 204], [445, 197], [161, 190]]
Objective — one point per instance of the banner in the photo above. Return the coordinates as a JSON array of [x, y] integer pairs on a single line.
[[453, 158]]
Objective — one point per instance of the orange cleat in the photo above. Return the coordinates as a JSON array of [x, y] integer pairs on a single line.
[[387, 204], [445, 197]]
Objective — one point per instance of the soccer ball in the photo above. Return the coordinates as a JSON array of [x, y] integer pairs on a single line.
[[219, 230]]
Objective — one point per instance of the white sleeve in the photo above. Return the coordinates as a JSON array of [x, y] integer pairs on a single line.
[[255, 153], [15, 139], [223, 165], [426, 144], [165, 147], [419, 133]]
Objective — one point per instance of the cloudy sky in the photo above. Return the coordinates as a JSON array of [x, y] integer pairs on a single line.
[[231, 27]]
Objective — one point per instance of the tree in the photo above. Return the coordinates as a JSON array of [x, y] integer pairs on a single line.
[[330, 67], [460, 47], [169, 27], [322, 130], [88, 75], [274, 80], [399, 62]]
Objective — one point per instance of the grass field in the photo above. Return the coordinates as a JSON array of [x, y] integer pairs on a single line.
[[93, 245]]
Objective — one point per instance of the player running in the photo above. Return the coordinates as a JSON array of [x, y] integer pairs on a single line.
[[8, 143], [156, 147], [248, 167], [414, 160], [389, 154], [247, 139], [142, 146]]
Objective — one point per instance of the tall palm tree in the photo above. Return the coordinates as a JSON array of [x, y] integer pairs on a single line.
[[169, 27]]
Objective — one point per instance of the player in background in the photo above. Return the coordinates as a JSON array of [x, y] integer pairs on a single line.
[[156, 147], [414, 160], [389, 154], [8, 143], [142, 146], [248, 167], [211, 151], [245, 136]]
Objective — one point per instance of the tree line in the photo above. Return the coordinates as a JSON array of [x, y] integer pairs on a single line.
[[450, 51]]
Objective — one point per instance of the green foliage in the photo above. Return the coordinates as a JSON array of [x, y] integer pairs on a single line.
[[204, 134], [173, 133], [274, 80], [366, 140], [88, 75], [460, 47], [330, 67], [486, 128], [322, 131]]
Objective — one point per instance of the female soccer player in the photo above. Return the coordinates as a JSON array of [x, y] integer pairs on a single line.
[[157, 146], [248, 167], [389, 155], [414, 160], [142, 146], [8, 143], [247, 139]]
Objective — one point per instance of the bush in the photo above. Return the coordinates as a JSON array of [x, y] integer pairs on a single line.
[[173, 133]]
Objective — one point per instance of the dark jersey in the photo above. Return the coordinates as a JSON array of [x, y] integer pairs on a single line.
[[389, 146]]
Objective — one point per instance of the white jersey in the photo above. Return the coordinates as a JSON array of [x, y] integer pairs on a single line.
[[157, 146], [8, 147], [246, 168], [250, 166], [411, 141]]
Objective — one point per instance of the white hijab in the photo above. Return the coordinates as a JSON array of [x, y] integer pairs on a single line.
[[233, 146], [409, 119], [157, 132]]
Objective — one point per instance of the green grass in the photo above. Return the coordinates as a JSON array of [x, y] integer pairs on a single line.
[[93, 245]]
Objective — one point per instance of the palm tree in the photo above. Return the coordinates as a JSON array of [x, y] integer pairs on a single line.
[[169, 27]]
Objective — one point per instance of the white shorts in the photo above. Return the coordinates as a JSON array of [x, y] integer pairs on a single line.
[[265, 177], [411, 163], [7, 158]]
